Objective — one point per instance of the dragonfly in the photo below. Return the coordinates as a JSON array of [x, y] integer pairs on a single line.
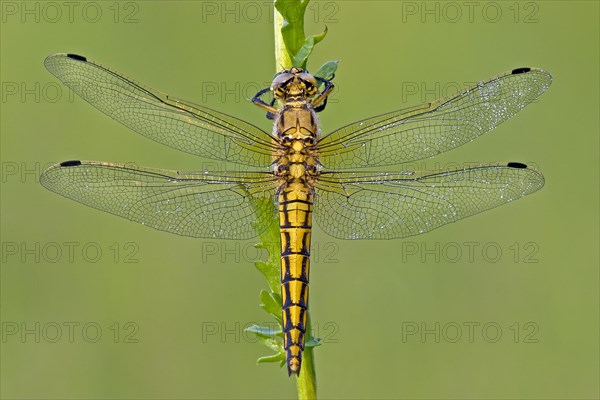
[[293, 172]]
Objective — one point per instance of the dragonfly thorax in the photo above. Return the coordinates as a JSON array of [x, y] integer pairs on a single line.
[[296, 127]]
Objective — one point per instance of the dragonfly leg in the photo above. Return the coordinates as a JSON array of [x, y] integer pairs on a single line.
[[320, 101], [271, 111], [270, 115], [321, 107]]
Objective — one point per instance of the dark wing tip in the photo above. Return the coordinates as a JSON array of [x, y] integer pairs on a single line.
[[71, 163], [516, 165], [520, 70], [77, 57]]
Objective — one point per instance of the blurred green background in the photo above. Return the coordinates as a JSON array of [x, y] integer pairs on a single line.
[[501, 305]]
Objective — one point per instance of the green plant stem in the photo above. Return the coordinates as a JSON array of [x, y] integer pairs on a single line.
[[306, 384], [282, 57]]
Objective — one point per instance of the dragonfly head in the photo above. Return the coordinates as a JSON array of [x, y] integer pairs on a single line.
[[294, 83]]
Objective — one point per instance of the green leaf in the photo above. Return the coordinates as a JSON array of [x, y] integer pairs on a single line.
[[264, 332], [292, 29], [327, 70], [271, 303], [298, 46], [275, 344], [277, 357], [271, 273], [300, 58], [312, 342]]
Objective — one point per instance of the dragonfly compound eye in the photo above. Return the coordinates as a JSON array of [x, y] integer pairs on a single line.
[[310, 83], [280, 82]]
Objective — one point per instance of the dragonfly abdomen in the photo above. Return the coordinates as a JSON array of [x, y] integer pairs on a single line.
[[295, 223]]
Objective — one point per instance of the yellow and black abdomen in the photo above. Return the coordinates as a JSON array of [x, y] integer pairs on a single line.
[[295, 223]]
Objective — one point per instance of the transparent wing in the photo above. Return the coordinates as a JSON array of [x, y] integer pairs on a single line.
[[387, 206], [172, 122], [226, 205], [432, 128]]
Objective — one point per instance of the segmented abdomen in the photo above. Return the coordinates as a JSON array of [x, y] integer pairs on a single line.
[[295, 222]]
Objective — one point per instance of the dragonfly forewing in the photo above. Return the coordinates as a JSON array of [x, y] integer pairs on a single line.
[[176, 123], [432, 128]]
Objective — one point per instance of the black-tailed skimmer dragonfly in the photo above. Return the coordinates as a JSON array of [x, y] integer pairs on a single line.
[[293, 170]]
